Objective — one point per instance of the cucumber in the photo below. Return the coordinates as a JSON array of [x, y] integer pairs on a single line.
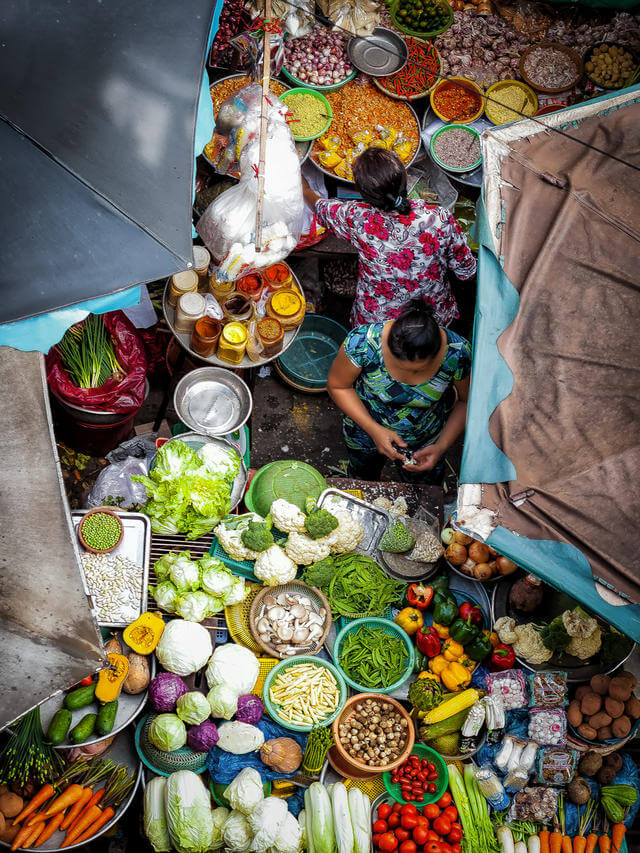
[[79, 698], [445, 727], [84, 729], [59, 726], [106, 718]]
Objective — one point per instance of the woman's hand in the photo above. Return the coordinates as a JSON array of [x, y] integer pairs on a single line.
[[426, 458], [385, 439]]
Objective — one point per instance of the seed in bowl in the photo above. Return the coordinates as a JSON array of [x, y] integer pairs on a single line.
[[305, 694], [457, 148], [309, 113], [375, 734]]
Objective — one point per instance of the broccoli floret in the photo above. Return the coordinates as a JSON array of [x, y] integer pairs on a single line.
[[257, 536], [320, 523], [425, 694], [397, 538], [320, 573], [555, 636]]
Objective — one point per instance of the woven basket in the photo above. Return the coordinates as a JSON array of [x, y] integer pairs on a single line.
[[165, 763], [237, 618], [293, 587]]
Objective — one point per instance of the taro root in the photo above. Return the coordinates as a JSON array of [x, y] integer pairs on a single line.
[[606, 775], [579, 791], [614, 759], [590, 704], [590, 763], [600, 684]]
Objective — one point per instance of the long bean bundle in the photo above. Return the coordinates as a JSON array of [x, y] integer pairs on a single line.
[[88, 354], [27, 757]]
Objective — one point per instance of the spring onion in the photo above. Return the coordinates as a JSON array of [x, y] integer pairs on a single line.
[[479, 810], [27, 757], [88, 354]]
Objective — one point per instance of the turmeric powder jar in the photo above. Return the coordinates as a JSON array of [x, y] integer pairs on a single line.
[[221, 290], [286, 306], [277, 276], [232, 343], [271, 334]]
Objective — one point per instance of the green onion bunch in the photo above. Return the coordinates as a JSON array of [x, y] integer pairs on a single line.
[[88, 354], [26, 757]]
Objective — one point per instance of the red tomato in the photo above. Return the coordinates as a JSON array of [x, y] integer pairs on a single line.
[[445, 848], [456, 825], [397, 807], [408, 847], [394, 819], [402, 834], [456, 848], [432, 847], [420, 835], [431, 811], [388, 842], [376, 840], [422, 821], [454, 836], [451, 812], [445, 800], [380, 826], [384, 811], [409, 821], [88, 680], [442, 825]]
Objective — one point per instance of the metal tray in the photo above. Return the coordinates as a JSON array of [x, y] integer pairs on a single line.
[[121, 751], [382, 53], [374, 519], [135, 545], [576, 669], [399, 566], [184, 338], [431, 123], [129, 706]]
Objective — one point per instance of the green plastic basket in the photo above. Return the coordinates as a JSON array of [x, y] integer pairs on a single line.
[[241, 567], [424, 34], [165, 763], [332, 87], [272, 708], [390, 628], [441, 785], [308, 360], [319, 97], [294, 481]]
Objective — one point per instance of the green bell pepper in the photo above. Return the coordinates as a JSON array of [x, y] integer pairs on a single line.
[[445, 611], [478, 649], [440, 583], [462, 631]]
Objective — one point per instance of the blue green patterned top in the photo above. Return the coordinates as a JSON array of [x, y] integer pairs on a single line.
[[416, 412]]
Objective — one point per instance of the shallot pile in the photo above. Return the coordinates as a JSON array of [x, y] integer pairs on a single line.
[[623, 27], [482, 49], [319, 58]]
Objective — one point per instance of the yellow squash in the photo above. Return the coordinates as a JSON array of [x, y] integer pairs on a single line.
[[142, 636], [110, 680]]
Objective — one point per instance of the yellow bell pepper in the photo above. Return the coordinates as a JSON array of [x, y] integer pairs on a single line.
[[410, 620], [438, 663], [442, 631], [493, 638], [452, 650], [425, 674], [467, 663], [455, 677]]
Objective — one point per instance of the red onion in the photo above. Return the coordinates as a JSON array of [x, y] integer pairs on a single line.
[[319, 58]]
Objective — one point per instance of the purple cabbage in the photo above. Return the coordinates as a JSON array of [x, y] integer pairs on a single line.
[[250, 709], [165, 690], [204, 737]]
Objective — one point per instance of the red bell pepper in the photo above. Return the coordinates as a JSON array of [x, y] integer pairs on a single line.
[[469, 611], [419, 596], [428, 641], [503, 657]]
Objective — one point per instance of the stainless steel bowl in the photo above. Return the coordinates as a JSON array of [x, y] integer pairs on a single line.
[[213, 401], [380, 54]]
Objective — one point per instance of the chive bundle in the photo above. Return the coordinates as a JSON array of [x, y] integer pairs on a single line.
[[319, 741], [27, 757], [88, 354]]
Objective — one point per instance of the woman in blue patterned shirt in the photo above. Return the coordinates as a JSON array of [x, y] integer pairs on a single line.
[[402, 385]]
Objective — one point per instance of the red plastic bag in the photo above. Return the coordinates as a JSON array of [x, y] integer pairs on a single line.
[[125, 395]]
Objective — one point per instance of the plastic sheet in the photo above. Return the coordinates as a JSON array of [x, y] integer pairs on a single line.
[[224, 766], [121, 396]]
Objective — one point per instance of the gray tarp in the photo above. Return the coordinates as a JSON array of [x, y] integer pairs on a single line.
[[48, 637]]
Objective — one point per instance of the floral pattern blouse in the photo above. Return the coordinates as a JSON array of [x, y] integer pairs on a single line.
[[401, 256], [417, 413]]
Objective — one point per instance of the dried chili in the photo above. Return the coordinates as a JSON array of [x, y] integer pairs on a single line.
[[455, 102], [418, 75]]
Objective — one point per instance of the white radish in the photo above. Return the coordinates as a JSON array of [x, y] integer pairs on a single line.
[[505, 837]]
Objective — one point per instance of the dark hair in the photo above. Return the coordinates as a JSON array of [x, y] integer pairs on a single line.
[[415, 334], [381, 180]]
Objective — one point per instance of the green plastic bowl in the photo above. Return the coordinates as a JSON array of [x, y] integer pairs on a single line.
[[441, 163], [307, 361], [319, 88], [390, 628], [273, 674], [319, 97], [294, 481], [441, 784], [424, 34]]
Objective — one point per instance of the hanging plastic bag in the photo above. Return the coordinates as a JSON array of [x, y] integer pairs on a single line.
[[250, 48], [255, 347], [228, 225], [114, 395]]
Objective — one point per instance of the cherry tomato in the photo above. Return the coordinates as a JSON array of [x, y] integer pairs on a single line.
[[419, 797], [388, 842], [445, 800], [87, 680], [409, 821], [420, 835], [431, 811], [432, 776], [376, 840], [432, 847], [431, 788], [451, 812], [454, 836], [380, 826], [442, 825], [397, 807], [408, 847], [384, 811], [402, 834], [394, 819]]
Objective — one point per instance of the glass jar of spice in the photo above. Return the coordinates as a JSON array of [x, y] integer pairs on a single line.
[[286, 306], [182, 282], [237, 309], [272, 336], [191, 307], [250, 285], [205, 335], [201, 261], [277, 276], [232, 343], [221, 290]]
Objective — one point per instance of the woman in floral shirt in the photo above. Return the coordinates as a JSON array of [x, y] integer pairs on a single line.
[[405, 247]]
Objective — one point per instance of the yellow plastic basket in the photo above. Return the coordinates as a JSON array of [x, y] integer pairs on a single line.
[[237, 616], [266, 665], [372, 788]]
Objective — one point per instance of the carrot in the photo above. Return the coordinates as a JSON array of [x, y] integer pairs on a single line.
[[22, 835], [566, 845], [555, 842], [95, 799], [104, 818], [604, 843], [77, 807], [617, 835], [66, 799], [45, 793], [36, 818], [51, 827], [579, 844], [36, 832], [543, 835], [592, 840], [81, 825]]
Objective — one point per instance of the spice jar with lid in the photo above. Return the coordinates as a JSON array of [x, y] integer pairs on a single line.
[[250, 285], [221, 290], [277, 276], [286, 306], [191, 306], [201, 261], [205, 335], [232, 343], [237, 309], [272, 336], [182, 282]]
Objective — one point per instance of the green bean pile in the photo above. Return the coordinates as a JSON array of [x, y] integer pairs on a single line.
[[373, 658]]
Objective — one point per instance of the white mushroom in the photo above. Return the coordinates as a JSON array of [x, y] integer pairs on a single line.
[[282, 599], [270, 601], [284, 632], [300, 634], [322, 613], [299, 612], [315, 632], [304, 600], [264, 626], [266, 638], [275, 614], [315, 619]]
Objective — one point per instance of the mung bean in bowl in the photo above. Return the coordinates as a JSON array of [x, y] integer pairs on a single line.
[[100, 531], [311, 113]]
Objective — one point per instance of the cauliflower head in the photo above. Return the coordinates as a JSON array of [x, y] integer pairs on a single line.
[[529, 645], [304, 550], [577, 623], [287, 517], [274, 567], [347, 536], [231, 542], [505, 627], [585, 647]]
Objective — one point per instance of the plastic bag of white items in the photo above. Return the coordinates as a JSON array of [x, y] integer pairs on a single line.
[[237, 124], [228, 225], [115, 487], [359, 17]]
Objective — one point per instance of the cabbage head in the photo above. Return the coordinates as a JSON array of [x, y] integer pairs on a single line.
[[237, 833], [195, 606], [184, 647], [165, 595], [193, 708], [219, 817], [155, 824], [184, 573], [245, 791], [235, 666], [223, 702], [167, 732], [188, 810]]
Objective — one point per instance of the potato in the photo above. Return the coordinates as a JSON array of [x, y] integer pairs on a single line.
[[590, 763], [614, 759], [614, 707], [632, 707], [600, 684], [138, 676], [586, 731], [597, 721], [605, 733], [591, 703], [11, 804], [574, 714], [620, 688], [621, 727], [3, 823], [113, 647], [624, 673], [9, 832], [582, 691]]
